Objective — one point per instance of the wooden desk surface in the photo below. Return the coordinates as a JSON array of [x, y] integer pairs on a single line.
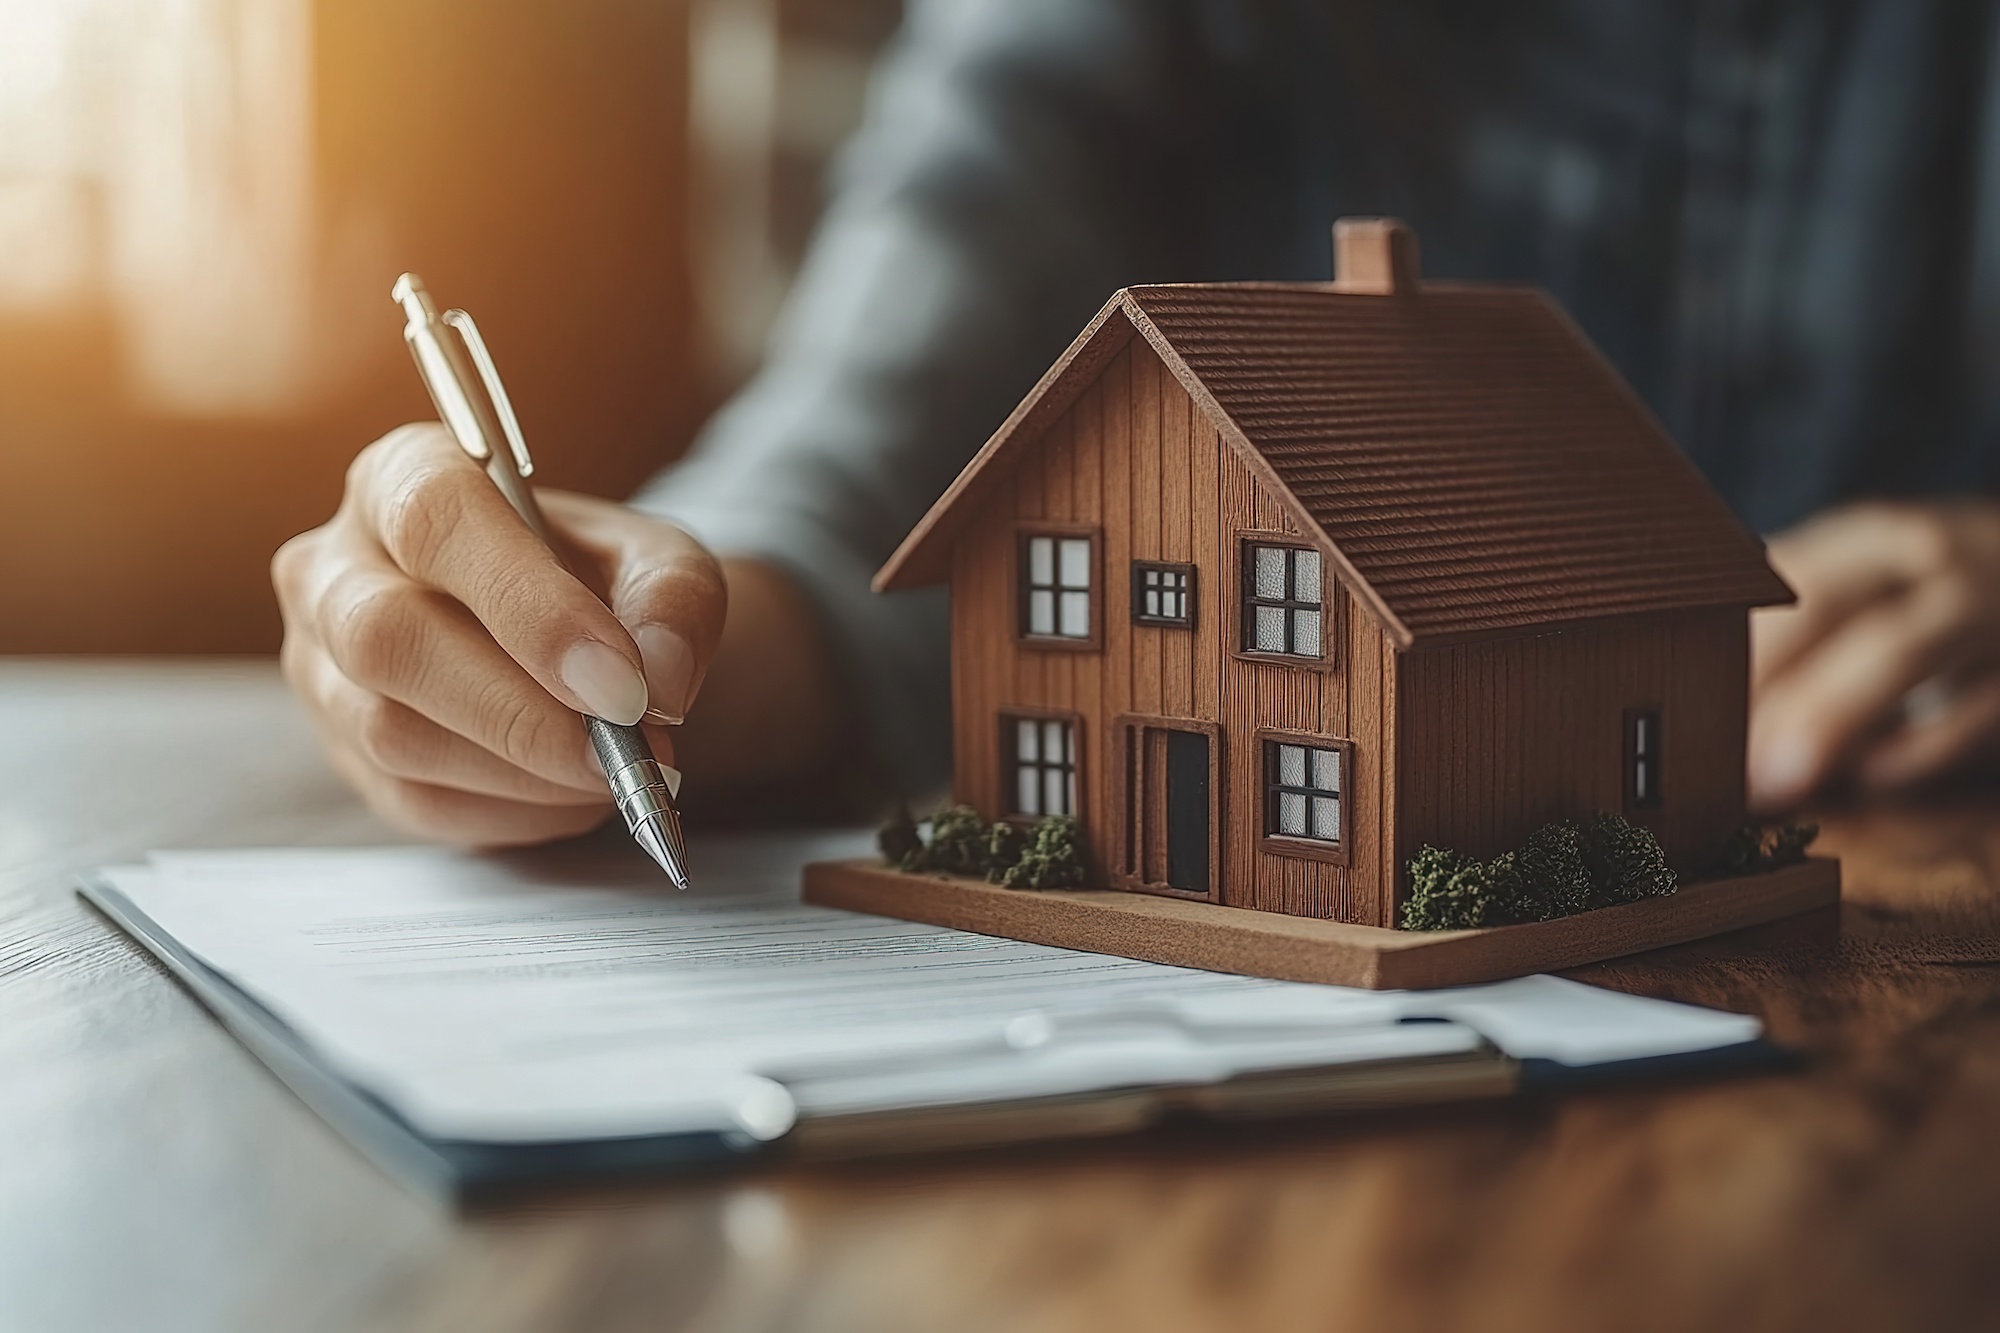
[[153, 1176]]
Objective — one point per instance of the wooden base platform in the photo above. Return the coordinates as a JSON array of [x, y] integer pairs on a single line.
[[1291, 948]]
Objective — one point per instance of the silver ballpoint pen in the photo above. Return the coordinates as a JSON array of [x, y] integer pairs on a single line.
[[473, 404]]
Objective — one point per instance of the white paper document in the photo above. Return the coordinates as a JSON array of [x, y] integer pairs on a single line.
[[550, 997]]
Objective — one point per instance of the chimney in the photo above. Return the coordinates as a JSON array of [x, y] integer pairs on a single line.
[[1374, 257]]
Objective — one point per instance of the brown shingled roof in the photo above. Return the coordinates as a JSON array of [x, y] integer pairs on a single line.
[[1468, 460]]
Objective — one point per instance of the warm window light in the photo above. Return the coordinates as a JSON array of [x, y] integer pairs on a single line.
[[155, 158], [43, 221]]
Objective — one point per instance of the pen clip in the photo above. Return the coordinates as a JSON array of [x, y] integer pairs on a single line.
[[489, 375]]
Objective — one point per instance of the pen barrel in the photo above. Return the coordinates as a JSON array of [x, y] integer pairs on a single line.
[[640, 784], [515, 487]]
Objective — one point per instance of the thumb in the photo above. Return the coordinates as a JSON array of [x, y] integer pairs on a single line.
[[661, 583]]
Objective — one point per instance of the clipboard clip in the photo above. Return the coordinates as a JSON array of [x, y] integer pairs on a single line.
[[1043, 1029]]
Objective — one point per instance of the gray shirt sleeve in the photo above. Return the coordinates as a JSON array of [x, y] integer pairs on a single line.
[[1011, 173]]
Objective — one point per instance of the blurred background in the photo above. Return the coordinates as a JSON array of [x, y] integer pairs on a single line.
[[203, 204]]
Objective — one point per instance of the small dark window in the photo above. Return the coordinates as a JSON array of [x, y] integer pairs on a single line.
[[1162, 594], [1055, 587], [1042, 755], [1301, 792], [1282, 603], [1642, 758]]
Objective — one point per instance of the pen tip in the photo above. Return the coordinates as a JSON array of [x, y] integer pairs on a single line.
[[660, 835]]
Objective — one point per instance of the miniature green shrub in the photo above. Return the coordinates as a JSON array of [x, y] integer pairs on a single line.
[[1560, 869], [1756, 849], [1625, 861], [1447, 891], [1791, 843], [1048, 854], [1052, 859], [899, 842], [959, 842], [1005, 843], [1553, 878]]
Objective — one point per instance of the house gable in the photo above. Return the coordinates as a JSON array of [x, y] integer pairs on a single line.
[[924, 555]]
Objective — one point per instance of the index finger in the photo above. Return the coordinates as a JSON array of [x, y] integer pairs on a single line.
[[446, 525]]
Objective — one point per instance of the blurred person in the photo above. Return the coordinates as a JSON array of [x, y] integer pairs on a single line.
[[1780, 219]]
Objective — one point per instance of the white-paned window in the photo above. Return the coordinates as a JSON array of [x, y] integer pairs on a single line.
[[1282, 603], [1162, 594], [1055, 583], [1302, 791], [1642, 758], [1044, 764]]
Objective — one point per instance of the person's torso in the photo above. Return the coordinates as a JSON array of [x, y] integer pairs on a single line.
[[1778, 217]]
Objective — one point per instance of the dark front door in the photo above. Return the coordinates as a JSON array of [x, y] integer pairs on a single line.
[[1187, 811], [1168, 805]]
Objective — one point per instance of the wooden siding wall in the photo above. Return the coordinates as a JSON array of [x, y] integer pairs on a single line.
[[1134, 457], [1500, 737]]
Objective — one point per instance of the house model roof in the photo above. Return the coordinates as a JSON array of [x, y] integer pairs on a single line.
[[1463, 454]]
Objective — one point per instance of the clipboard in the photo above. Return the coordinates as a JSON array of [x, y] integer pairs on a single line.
[[467, 1173]]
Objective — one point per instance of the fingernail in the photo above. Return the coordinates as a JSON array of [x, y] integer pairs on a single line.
[[603, 679], [669, 672], [1781, 770]]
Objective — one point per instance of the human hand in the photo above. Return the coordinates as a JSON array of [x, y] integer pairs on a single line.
[[443, 652], [1888, 669]]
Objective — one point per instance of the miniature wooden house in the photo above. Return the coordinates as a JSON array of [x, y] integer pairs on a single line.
[[1271, 584]]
